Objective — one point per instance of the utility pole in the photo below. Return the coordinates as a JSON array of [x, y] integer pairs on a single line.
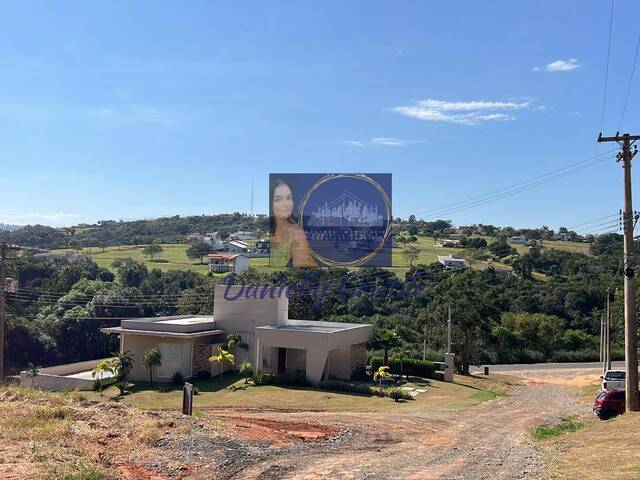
[[630, 322], [449, 332], [608, 334], [3, 276], [424, 342]]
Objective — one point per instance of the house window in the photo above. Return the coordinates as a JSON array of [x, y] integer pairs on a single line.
[[296, 359], [266, 358]]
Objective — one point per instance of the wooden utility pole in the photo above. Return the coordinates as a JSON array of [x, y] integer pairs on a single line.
[[630, 322], [608, 334], [3, 276]]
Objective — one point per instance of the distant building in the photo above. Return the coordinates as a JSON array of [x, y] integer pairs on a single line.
[[194, 237], [451, 243], [227, 262], [520, 240], [449, 262], [236, 246], [242, 235], [262, 246]]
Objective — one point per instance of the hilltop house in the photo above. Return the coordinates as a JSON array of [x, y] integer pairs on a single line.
[[449, 262], [275, 343], [228, 262]]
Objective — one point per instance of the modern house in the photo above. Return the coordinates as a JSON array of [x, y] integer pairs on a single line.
[[227, 262], [259, 315], [449, 262]]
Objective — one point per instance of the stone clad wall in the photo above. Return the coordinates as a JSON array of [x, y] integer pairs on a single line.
[[201, 354], [358, 356]]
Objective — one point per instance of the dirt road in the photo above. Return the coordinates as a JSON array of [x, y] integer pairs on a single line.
[[487, 441]]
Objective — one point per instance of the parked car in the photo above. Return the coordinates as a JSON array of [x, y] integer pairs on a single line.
[[613, 380], [609, 403]]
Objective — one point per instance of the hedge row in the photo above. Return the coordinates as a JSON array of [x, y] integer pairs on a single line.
[[364, 389], [405, 366]]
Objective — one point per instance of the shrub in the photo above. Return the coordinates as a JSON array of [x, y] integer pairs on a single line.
[[398, 394], [177, 379], [359, 373], [122, 386], [340, 386], [203, 375], [289, 379], [566, 425], [196, 390], [408, 366]]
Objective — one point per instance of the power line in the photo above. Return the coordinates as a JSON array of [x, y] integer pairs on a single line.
[[514, 192], [517, 187], [633, 69], [606, 74]]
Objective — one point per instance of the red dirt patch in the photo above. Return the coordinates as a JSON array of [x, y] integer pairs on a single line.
[[279, 433]]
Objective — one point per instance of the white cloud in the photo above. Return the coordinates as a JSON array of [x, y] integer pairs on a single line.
[[463, 113], [383, 141], [536, 69], [48, 218], [562, 65]]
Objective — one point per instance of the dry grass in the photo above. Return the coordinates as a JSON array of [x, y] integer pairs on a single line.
[[601, 450]]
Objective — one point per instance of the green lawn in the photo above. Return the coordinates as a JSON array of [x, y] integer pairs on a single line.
[[464, 393], [173, 256]]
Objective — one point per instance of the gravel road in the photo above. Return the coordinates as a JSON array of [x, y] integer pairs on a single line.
[[488, 441]]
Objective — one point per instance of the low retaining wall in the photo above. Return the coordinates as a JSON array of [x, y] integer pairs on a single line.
[[57, 378]]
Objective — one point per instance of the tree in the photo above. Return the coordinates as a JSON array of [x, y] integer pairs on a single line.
[[150, 360], [386, 340], [130, 273], [75, 244], [32, 373], [152, 250], [198, 250], [102, 368], [411, 254], [382, 372], [245, 369], [223, 356], [124, 364]]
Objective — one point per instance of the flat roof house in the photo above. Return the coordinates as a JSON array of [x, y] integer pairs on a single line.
[[276, 344]]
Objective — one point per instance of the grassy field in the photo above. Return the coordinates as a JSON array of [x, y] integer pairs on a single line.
[[173, 256], [232, 392]]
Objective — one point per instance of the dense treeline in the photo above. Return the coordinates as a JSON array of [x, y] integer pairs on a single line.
[[497, 317], [137, 232]]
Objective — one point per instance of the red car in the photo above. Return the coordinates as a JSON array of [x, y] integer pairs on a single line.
[[609, 403]]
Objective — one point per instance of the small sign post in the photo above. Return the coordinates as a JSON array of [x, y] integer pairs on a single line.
[[187, 399]]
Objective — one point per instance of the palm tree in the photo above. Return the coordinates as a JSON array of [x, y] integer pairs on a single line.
[[245, 369], [150, 360], [223, 356], [235, 341], [124, 364], [105, 366], [383, 372], [32, 373], [386, 340]]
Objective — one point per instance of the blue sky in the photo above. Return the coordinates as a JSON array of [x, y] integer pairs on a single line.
[[140, 109]]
